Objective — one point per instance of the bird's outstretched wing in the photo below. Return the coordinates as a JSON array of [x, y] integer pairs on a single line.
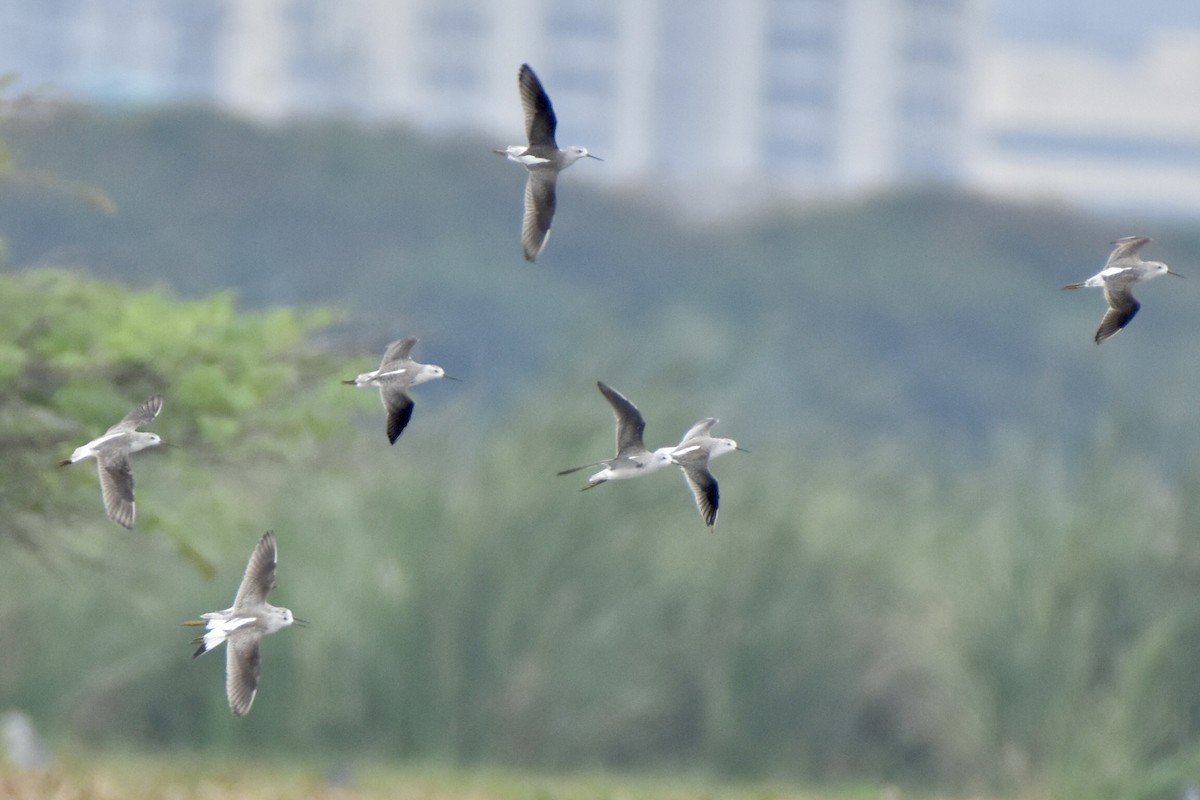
[[708, 496], [1126, 247], [116, 487], [398, 351], [140, 415], [1122, 307], [243, 665], [259, 578], [540, 121]]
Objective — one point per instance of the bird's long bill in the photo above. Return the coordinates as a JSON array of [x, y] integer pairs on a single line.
[[1176, 274], [742, 449], [194, 622], [598, 158], [303, 623], [452, 378]]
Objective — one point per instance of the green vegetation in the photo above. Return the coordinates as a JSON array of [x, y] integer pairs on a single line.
[[78, 353], [962, 553]]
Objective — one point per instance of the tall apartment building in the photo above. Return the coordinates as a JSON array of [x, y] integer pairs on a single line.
[[1108, 131], [717, 101], [816, 96]]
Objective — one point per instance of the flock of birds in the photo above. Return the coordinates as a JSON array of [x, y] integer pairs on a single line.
[[243, 624]]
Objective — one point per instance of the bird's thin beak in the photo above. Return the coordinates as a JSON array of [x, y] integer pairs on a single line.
[[1176, 274], [350, 382], [744, 450], [303, 623], [598, 158], [168, 444], [452, 378]]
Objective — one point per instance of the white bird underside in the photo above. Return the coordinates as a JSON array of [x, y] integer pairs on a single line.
[[220, 627]]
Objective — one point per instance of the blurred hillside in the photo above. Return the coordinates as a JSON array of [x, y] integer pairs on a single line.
[[962, 550], [916, 313]]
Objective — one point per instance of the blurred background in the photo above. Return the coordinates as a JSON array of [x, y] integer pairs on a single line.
[[963, 553]]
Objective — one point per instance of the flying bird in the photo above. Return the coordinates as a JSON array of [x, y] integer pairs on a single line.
[[1124, 270], [398, 373], [542, 158], [692, 455], [633, 458], [111, 452], [244, 624]]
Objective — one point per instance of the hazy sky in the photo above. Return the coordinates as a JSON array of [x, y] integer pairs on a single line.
[[1112, 24]]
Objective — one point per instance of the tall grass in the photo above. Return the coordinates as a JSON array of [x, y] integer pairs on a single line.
[[1016, 625]]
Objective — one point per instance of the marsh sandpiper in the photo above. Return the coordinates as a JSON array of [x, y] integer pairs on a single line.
[[695, 450], [1124, 270], [243, 625], [544, 160], [633, 459], [397, 373], [111, 452]]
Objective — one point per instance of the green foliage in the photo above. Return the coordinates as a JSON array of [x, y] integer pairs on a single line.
[[79, 353]]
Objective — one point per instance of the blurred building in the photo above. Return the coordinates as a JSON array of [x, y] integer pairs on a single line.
[[722, 100], [1110, 132], [826, 95]]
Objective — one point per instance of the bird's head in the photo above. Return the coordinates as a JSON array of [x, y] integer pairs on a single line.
[[1162, 269], [722, 446], [144, 440], [575, 152]]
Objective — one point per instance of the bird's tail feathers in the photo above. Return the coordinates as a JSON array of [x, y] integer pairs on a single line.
[[218, 630], [576, 469], [208, 641]]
